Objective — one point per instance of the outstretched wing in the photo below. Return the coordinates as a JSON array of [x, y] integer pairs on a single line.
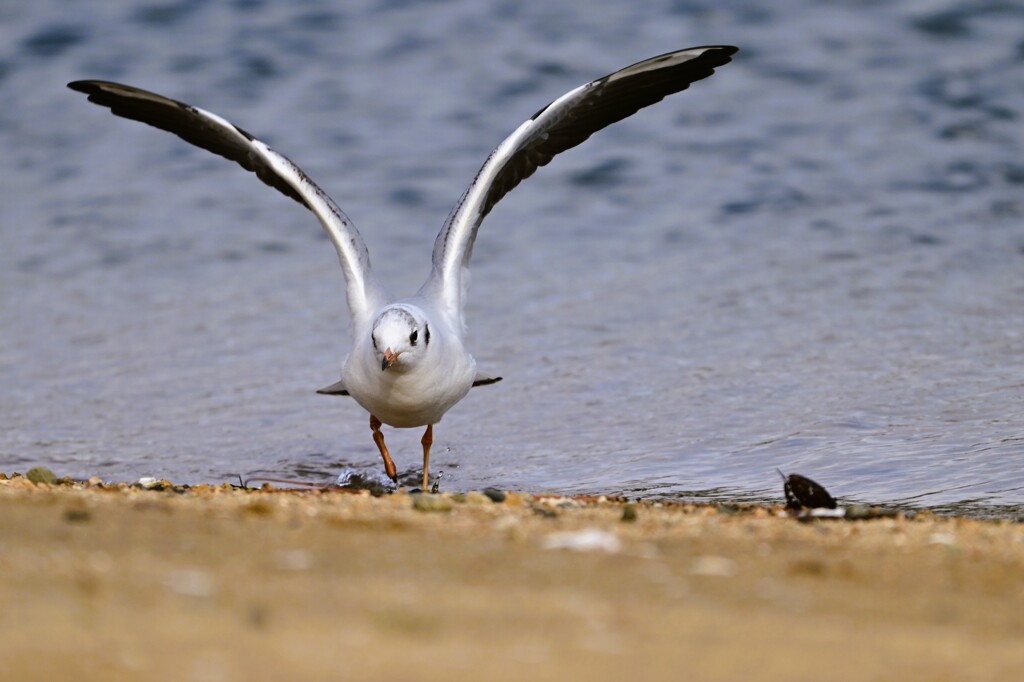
[[559, 126], [213, 133]]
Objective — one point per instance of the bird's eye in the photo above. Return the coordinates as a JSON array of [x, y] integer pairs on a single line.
[[413, 336]]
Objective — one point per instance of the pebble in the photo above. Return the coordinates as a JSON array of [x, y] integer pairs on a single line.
[[41, 475], [629, 512], [827, 513], [495, 495], [947, 539], [557, 502], [718, 566], [431, 503], [587, 540], [77, 515], [474, 497]]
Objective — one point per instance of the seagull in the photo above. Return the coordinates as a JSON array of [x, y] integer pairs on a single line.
[[408, 363]]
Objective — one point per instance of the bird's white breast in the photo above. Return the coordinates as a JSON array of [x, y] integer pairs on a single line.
[[414, 396]]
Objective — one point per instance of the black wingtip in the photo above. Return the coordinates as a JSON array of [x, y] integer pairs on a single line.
[[717, 55], [727, 49], [325, 392], [95, 87]]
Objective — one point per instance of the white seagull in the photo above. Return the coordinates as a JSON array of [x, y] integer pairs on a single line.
[[408, 365]]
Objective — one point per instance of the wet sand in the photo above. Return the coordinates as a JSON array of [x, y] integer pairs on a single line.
[[213, 583]]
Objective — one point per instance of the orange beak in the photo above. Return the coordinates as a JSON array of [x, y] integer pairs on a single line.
[[389, 359]]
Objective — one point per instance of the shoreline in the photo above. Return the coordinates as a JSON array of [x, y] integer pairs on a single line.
[[964, 509], [219, 583]]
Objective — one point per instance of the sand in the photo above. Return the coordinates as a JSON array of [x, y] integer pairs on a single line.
[[114, 582]]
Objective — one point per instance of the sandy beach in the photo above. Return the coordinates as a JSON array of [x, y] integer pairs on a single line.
[[116, 582]]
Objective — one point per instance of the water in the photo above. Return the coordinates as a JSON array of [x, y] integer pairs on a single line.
[[811, 261]]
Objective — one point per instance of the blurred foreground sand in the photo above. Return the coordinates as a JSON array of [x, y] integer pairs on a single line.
[[118, 583]]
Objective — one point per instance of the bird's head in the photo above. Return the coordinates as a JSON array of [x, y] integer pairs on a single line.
[[401, 336]]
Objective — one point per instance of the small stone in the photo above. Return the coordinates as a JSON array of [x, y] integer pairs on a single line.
[[587, 540], [41, 475], [258, 507], [77, 515], [858, 511], [717, 566], [495, 495], [826, 513], [95, 481], [477, 497], [148, 482], [803, 493], [431, 503], [556, 502], [812, 567], [629, 512], [947, 539]]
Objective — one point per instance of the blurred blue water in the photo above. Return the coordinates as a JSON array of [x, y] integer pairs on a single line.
[[811, 261]]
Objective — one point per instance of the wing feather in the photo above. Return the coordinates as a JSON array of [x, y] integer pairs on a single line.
[[215, 134], [559, 126]]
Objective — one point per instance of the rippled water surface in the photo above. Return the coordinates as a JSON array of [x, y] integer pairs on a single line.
[[812, 261]]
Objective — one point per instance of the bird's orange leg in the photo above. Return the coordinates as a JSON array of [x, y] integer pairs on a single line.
[[426, 442], [378, 438]]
